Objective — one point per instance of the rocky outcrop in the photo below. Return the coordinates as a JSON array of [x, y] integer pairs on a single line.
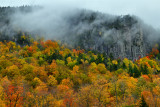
[[119, 36], [120, 45]]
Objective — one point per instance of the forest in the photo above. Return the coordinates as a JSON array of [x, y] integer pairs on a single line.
[[46, 73], [88, 59]]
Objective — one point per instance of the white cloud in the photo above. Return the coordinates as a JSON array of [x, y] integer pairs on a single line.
[[147, 10]]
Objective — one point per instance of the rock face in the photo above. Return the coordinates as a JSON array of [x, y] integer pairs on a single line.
[[120, 45], [119, 36], [132, 47]]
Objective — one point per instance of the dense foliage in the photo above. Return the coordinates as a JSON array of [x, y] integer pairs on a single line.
[[48, 74]]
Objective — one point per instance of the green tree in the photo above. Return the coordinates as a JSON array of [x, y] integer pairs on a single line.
[[143, 103]]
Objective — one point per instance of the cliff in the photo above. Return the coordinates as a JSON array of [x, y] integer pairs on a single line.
[[119, 36]]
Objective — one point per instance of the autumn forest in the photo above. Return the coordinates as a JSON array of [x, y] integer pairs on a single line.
[[77, 58], [47, 73]]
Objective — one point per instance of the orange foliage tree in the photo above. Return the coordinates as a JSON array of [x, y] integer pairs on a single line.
[[13, 96]]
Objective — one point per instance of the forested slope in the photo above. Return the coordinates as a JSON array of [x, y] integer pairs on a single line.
[[46, 73], [95, 60]]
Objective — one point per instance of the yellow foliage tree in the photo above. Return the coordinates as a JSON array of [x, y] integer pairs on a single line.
[[101, 68], [51, 81]]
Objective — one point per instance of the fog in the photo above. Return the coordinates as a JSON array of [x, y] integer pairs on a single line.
[[147, 10]]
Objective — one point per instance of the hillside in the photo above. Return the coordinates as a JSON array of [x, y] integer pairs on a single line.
[[120, 36], [89, 60], [50, 75]]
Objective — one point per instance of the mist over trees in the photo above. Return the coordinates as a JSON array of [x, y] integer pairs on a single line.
[[121, 36], [77, 59]]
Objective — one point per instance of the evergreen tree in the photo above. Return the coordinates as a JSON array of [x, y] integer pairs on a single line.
[[130, 71], [143, 103], [137, 73], [144, 69], [99, 59]]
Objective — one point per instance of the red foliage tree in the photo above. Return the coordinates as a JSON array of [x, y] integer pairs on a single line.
[[13, 96]]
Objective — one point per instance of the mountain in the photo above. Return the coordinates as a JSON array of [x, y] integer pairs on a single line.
[[118, 36]]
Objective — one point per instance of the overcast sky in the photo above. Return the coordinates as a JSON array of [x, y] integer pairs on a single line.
[[147, 10]]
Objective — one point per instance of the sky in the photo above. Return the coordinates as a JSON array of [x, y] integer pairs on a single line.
[[147, 10]]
